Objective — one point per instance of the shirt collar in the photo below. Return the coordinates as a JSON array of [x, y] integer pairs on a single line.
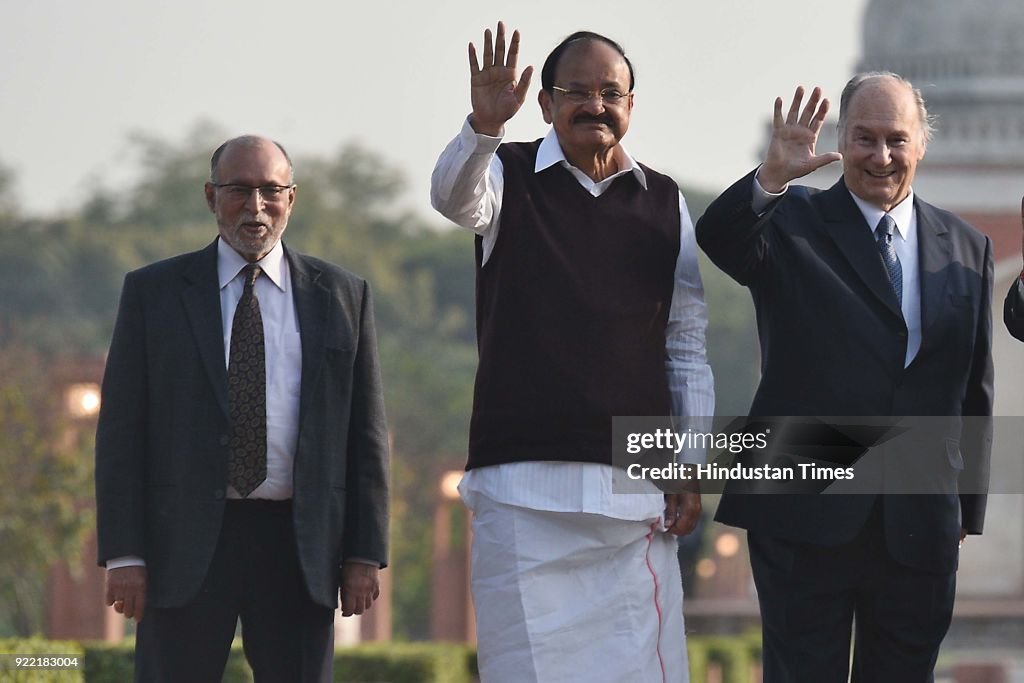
[[550, 153], [902, 213], [230, 264]]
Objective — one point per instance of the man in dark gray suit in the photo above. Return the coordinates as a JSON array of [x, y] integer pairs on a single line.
[[859, 320], [241, 452]]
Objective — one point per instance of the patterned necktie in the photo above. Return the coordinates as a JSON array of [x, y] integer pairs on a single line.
[[883, 236], [247, 391]]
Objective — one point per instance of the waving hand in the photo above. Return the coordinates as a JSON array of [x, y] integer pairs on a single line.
[[495, 94], [791, 152]]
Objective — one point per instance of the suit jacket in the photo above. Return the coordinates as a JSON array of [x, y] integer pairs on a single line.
[[833, 343], [1013, 309], [161, 442]]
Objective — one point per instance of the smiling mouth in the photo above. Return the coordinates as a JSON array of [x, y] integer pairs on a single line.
[[881, 174]]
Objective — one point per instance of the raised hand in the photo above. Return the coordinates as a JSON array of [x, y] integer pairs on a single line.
[[495, 94], [791, 150]]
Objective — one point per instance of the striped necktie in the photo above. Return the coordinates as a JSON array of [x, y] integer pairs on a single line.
[[883, 237]]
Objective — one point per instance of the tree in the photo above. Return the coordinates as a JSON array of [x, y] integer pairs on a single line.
[[46, 467]]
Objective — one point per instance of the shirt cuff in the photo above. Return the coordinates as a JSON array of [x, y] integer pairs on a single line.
[[125, 561], [761, 198], [360, 560], [478, 142]]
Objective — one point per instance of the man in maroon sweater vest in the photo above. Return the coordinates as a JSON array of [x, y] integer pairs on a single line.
[[589, 306]]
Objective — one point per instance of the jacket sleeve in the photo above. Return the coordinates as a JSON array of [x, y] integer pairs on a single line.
[[366, 513], [976, 441], [733, 235], [121, 435]]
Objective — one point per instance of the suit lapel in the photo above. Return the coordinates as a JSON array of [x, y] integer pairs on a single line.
[[845, 225], [201, 298], [935, 251], [311, 306]]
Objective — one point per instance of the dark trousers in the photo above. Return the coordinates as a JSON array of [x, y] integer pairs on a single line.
[[812, 596], [254, 576]]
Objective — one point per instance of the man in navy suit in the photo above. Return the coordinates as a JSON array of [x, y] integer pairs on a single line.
[[859, 320], [194, 533]]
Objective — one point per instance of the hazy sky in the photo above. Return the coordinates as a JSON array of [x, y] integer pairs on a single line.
[[78, 77]]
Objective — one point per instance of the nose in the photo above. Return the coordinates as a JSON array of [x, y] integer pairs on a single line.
[[255, 200], [884, 153], [594, 104]]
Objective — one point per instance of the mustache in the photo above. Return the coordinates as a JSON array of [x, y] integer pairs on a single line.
[[250, 218], [589, 118]]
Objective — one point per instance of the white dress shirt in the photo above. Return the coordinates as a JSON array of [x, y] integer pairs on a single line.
[[905, 243], [283, 349], [467, 188]]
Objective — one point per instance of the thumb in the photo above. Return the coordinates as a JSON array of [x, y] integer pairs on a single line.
[[524, 84], [820, 160]]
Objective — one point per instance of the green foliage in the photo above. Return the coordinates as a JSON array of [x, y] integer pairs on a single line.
[[402, 663], [734, 656], [46, 467], [40, 648], [109, 662], [731, 340], [373, 663]]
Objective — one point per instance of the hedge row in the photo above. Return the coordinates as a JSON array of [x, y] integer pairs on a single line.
[[370, 663], [734, 656]]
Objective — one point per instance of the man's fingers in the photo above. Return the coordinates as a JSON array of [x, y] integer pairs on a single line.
[[474, 64], [820, 160], [809, 109], [129, 607], [682, 512], [794, 108], [499, 45], [819, 118], [126, 591], [488, 49], [513, 51], [777, 119], [524, 84]]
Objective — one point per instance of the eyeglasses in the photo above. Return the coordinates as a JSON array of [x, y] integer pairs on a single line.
[[269, 193], [610, 96]]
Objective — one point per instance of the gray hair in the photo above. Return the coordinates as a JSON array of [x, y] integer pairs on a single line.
[[250, 141], [926, 120]]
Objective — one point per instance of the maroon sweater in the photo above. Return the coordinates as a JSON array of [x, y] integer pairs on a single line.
[[572, 306]]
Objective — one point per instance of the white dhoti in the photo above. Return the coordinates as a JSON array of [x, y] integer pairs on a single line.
[[575, 596]]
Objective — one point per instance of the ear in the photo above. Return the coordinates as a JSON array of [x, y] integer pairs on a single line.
[[291, 196], [211, 196], [544, 99]]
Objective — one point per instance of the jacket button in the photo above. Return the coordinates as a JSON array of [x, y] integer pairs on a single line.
[[225, 440], [218, 494]]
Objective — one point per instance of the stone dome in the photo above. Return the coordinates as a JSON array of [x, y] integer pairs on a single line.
[[942, 40], [967, 58]]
